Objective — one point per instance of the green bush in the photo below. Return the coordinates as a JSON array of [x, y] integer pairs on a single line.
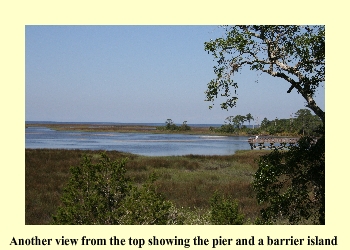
[[143, 206], [291, 184], [189, 216], [227, 128], [170, 126], [101, 194], [225, 211]]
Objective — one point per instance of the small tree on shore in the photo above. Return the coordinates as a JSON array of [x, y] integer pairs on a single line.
[[249, 118]]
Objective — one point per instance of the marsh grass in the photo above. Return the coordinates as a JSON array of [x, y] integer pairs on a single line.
[[188, 181]]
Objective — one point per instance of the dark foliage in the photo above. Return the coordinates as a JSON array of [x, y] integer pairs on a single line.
[[292, 183]]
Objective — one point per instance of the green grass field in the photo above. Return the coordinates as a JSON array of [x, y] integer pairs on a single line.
[[188, 181]]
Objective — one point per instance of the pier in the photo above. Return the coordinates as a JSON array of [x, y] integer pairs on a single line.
[[272, 143]]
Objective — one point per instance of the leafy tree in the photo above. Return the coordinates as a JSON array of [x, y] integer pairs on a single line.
[[305, 122], [240, 119], [229, 119], [169, 125], [290, 184], [295, 54], [184, 126], [169, 121], [237, 121], [249, 117], [265, 123]]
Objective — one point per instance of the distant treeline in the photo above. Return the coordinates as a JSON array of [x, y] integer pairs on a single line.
[[303, 123]]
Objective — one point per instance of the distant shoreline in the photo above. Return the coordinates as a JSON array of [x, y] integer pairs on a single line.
[[151, 124], [150, 128], [120, 128]]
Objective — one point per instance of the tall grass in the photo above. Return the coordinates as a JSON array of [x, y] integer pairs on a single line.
[[188, 181]]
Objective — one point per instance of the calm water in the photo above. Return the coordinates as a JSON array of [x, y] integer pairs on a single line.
[[137, 143]]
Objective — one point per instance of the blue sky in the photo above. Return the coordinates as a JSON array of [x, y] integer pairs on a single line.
[[138, 74]]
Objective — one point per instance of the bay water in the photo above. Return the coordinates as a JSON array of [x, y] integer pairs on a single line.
[[137, 143]]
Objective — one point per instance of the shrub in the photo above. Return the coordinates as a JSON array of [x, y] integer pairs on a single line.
[[189, 216], [143, 206], [227, 128], [101, 194], [224, 211]]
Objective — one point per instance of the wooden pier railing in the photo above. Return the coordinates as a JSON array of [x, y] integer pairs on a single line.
[[272, 142]]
